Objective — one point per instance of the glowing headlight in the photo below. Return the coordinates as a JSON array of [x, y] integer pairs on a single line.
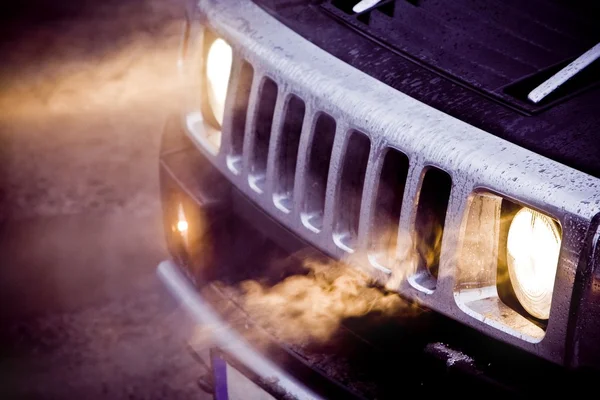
[[182, 225], [532, 252], [218, 69]]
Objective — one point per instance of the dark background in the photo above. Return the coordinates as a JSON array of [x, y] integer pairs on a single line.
[[85, 89]]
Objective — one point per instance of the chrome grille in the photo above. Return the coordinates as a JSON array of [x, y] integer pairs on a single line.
[[314, 168]]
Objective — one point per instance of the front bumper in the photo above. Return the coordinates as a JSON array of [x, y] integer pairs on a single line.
[[224, 336]]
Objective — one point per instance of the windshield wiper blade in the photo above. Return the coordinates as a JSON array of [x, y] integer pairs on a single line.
[[557, 80]]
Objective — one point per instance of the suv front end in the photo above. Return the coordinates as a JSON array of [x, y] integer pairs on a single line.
[[282, 145]]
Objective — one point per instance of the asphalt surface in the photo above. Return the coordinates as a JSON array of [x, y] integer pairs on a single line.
[[85, 89]]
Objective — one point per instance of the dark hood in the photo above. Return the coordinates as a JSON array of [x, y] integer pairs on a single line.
[[475, 60]]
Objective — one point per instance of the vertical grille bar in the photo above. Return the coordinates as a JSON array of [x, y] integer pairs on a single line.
[[251, 118], [458, 205], [388, 205], [334, 180], [317, 171], [429, 224], [350, 189], [405, 250], [227, 130], [277, 136], [283, 156], [236, 110], [262, 134], [370, 186], [301, 175]]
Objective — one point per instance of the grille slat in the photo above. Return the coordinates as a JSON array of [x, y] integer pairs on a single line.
[[227, 130], [251, 118], [300, 180], [317, 171], [405, 248], [275, 136], [263, 125], [369, 199], [334, 182], [388, 199], [283, 156], [350, 188], [234, 124], [430, 220]]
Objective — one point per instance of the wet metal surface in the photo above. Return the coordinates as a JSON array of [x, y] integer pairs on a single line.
[[476, 161]]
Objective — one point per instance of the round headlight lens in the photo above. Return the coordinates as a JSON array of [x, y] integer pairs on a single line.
[[218, 69], [533, 247]]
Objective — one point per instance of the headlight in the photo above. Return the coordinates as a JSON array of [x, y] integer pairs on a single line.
[[533, 247], [182, 225], [218, 69]]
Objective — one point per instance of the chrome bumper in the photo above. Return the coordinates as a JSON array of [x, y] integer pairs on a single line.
[[225, 338]]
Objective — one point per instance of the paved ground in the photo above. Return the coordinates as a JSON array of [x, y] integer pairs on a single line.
[[85, 88]]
